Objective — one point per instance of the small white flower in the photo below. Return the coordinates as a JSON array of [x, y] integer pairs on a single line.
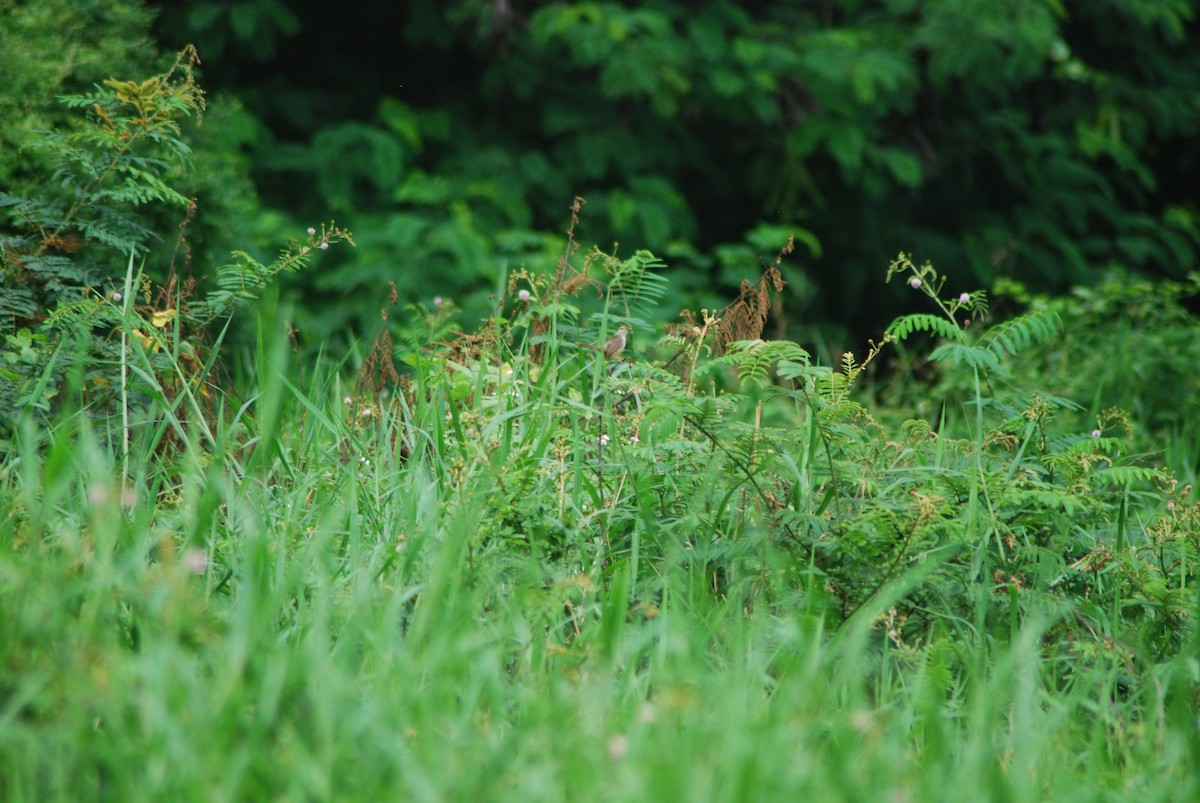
[[437, 301], [618, 747], [347, 401], [523, 294], [195, 561], [1096, 433], [311, 231], [604, 440], [862, 721], [634, 439], [117, 296], [324, 246], [964, 299], [366, 412], [914, 282]]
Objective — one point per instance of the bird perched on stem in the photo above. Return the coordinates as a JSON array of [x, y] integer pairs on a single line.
[[616, 343]]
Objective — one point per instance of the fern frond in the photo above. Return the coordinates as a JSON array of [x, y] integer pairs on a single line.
[[753, 359], [831, 385], [794, 369], [905, 325], [242, 280], [970, 356], [1087, 445], [756, 362], [726, 360], [661, 379], [1016, 335], [57, 271], [113, 228], [140, 189], [76, 313], [16, 304], [707, 412], [237, 282], [752, 448], [635, 284], [1130, 475], [917, 429]]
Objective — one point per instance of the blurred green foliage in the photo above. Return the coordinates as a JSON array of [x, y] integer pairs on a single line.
[[1018, 139], [55, 47], [1133, 346], [92, 291], [1125, 364], [1025, 138], [61, 48], [515, 498]]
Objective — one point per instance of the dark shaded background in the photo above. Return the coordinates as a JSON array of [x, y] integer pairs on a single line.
[[1041, 141], [1008, 137]]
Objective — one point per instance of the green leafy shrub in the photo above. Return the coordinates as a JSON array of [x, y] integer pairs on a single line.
[[522, 541], [748, 453], [75, 310], [1008, 137], [1125, 364], [1133, 347], [52, 48], [650, 568], [60, 269]]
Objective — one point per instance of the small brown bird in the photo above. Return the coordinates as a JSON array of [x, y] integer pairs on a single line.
[[616, 343]]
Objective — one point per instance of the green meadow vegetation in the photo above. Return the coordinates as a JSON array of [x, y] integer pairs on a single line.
[[957, 564]]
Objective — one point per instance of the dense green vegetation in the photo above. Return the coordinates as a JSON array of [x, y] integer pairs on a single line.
[[470, 556], [1043, 141]]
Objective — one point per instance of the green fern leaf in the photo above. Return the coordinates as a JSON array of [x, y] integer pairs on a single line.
[[905, 325], [1016, 335], [753, 359], [970, 356], [636, 285], [1130, 475]]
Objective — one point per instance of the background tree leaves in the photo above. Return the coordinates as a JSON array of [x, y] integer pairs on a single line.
[[1020, 138]]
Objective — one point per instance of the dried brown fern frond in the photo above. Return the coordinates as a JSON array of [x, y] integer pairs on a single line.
[[572, 246], [469, 348], [378, 371], [745, 318], [569, 280]]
